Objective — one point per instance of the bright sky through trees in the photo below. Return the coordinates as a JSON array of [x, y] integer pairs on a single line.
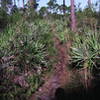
[[44, 2]]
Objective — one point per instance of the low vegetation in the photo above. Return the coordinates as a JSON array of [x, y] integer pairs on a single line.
[[27, 51]]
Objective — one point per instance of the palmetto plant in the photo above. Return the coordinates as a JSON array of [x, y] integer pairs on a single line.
[[86, 50], [31, 45], [85, 55], [28, 52]]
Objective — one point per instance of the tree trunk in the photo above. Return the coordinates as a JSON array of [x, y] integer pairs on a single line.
[[89, 3], [32, 3], [64, 10], [18, 3], [23, 3], [73, 18], [14, 2]]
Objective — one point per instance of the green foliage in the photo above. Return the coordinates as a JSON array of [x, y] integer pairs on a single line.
[[60, 30], [28, 52], [27, 37], [43, 11], [35, 82], [5, 4], [12, 91], [6, 36], [86, 50], [15, 17], [30, 44], [52, 5], [28, 40], [3, 19], [11, 30]]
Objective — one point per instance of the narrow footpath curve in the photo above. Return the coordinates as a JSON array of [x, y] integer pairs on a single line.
[[60, 76]]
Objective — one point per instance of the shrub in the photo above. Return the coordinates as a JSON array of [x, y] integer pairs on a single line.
[[28, 52], [85, 50], [25, 48]]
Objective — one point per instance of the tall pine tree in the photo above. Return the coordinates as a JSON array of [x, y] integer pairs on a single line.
[[73, 18], [64, 9]]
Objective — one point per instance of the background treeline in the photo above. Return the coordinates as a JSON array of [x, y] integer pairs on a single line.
[[10, 12]]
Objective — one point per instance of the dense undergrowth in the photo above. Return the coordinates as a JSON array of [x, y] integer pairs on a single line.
[[86, 50], [27, 51]]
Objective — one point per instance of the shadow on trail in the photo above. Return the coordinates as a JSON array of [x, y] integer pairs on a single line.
[[79, 93]]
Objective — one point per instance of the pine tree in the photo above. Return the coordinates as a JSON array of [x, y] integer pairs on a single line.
[[23, 3], [73, 18], [18, 2], [33, 4], [14, 2], [89, 3], [64, 9]]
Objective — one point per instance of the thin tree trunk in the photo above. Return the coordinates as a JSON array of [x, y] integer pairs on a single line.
[[31, 2], [89, 3], [23, 3], [73, 18], [64, 10], [18, 3], [14, 2]]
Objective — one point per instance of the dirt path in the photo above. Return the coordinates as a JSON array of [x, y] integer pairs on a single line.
[[60, 76]]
